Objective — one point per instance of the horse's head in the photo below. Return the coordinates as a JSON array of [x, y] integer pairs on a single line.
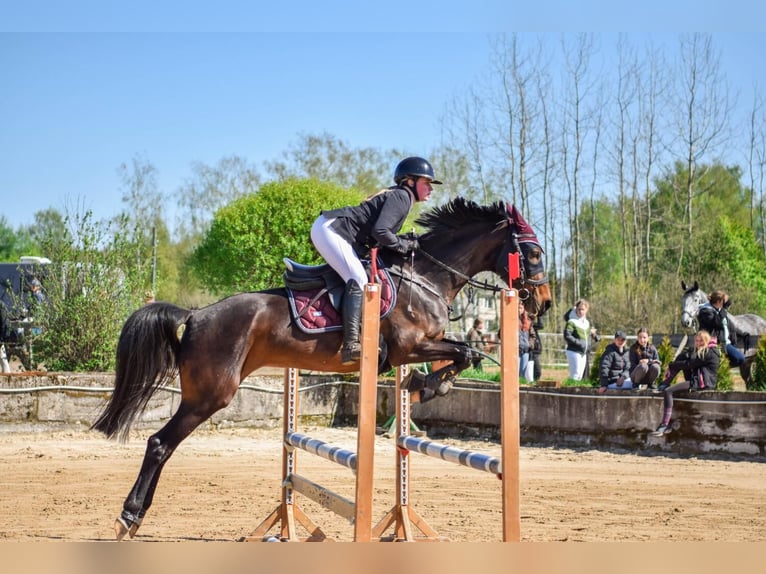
[[464, 238], [691, 300], [532, 283]]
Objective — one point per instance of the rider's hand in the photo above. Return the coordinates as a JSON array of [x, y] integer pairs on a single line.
[[405, 246]]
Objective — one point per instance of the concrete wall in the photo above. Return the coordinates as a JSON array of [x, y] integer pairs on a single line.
[[731, 423]]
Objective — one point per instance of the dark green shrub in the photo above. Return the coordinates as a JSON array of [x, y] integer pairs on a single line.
[[757, 380], [725, 382]]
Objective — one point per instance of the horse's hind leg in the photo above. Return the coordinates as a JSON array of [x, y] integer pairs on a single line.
[[159, 448]]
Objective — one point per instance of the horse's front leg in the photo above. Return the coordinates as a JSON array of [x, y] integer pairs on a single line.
[[439, 382]]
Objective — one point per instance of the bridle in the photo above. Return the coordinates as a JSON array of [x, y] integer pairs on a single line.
[[698, 301], [529, 286], [513, 240]]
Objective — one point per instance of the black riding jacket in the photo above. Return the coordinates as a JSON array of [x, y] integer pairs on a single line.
[[375, 221], [712, 320]]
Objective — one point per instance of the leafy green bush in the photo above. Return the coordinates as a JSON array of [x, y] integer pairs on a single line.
[[247, 240], [595, 362], [725, 381], [93, 285], [757, 380], [666, 352]]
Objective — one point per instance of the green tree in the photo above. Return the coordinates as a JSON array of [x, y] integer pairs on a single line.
[[244, 247], [49, 223], [14, 244]]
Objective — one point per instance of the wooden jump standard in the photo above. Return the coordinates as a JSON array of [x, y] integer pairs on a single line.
[[402, 516], [359, 511]]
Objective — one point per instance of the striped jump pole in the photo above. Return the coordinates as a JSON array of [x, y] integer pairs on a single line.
[[402, 516], [288, 515]]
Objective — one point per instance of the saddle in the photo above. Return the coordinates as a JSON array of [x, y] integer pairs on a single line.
[[315, 294]]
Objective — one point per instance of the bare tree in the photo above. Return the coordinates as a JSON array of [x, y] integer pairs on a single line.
[[326, 157], [464, 127], [704, 111], [211, 187], [756, 163], [575, 130]]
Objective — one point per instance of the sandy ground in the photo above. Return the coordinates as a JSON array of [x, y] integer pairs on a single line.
[[69, 485]]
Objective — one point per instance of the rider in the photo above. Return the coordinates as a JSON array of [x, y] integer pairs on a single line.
[[714, 318], [343, 236]]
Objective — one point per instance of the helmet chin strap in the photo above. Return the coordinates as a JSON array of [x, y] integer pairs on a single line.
[[413, 189]]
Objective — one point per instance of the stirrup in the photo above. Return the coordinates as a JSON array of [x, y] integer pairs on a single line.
[[414, 381], [351, 353]]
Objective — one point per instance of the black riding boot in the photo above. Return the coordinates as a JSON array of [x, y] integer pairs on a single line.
[[352, 320]]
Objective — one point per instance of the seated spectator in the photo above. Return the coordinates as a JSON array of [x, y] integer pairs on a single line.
[[614, 368], [645, 362], [700, 370]]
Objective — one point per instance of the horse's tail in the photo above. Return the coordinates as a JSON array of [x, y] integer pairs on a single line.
[[146, 359]]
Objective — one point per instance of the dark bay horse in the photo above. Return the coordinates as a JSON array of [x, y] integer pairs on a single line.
[[214, 348]]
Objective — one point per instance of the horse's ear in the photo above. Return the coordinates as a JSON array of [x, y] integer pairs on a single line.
[[683, 285], [696, 286]]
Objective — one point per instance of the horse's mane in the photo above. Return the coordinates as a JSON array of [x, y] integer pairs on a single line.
[[458, 213]]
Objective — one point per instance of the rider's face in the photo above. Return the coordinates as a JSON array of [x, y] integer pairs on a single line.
[[423, 188]]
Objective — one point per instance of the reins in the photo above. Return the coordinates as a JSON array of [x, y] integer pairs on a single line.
[[469, 280]]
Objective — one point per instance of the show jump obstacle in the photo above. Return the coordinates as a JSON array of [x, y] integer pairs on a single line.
[[289, 514], [402, 517]]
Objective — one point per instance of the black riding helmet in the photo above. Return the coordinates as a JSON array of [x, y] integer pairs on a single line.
[[414, 167]]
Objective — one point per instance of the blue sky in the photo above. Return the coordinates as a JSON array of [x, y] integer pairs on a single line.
[[84, 88]]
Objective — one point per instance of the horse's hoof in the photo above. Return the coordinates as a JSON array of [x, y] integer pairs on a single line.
[[134, 528], [121, 528], [444, 388]]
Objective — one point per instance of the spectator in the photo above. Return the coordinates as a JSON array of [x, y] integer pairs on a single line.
[[533, 372], [37, 291], [713, 317], [148, 297], [577, 334], [614, 368], [644, 360], [535, 351], [525, 342], [475, 338], [700, 370]]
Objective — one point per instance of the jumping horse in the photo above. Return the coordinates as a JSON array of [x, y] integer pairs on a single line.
[[214, 348]]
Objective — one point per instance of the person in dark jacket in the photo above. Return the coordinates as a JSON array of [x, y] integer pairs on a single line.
[[614, 368], [701, 372], [713, 317], [477, 339], [645, 361], [344, 236]]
